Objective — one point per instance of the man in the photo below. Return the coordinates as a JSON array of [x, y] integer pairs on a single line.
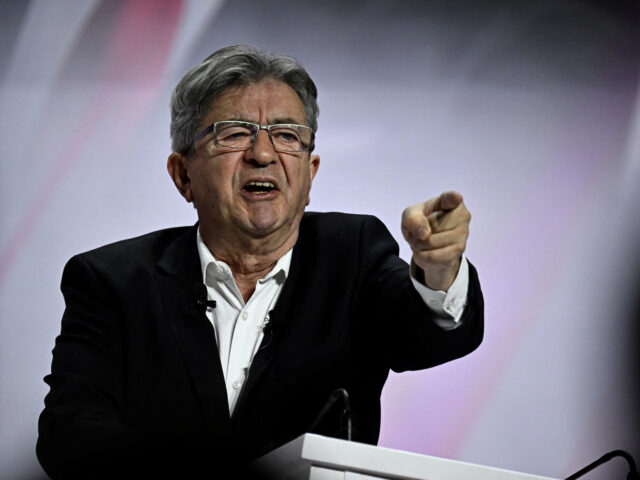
[[196, 347]]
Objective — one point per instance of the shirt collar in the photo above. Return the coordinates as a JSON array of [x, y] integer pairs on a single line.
[[216, 270]]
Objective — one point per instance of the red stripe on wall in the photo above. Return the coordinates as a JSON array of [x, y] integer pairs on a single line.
[[137, 52]]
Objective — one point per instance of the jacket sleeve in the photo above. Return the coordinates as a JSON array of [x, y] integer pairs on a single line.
[[408, 334], [81, 432]]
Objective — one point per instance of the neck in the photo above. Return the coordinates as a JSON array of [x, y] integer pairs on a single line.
[[249, 259]]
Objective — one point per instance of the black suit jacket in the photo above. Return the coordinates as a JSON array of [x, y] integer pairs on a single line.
[[136, 382]]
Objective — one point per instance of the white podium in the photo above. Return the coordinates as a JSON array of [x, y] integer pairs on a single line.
[[314, 457]]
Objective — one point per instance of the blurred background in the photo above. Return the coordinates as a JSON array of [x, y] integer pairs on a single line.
[[530, 109]]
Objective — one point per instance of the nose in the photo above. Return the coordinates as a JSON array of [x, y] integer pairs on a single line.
[[261, 150]]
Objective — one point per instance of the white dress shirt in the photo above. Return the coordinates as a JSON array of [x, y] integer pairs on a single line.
[[239, 326]]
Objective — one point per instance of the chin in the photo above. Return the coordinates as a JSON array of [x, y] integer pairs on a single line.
[[264, 224], [268, 221], [267, 225]]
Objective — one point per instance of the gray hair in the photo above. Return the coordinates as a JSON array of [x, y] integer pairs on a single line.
[[232, 66]]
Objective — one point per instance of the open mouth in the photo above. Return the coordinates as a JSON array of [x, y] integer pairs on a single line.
[[260, 187]]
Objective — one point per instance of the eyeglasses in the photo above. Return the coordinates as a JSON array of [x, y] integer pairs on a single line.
[[236, 135]]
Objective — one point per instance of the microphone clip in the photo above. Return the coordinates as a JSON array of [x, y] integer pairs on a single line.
[[204, 303]]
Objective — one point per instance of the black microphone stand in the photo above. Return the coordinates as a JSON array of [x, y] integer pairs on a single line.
[[633, 472], [345, 416]]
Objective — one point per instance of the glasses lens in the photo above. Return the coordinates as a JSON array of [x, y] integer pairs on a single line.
[[285, 137], [290, 138], [234, 134]]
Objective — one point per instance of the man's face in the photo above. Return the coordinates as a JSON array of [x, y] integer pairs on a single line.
[[222, 182]]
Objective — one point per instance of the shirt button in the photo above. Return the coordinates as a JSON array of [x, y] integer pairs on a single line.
[[245, 315], [433, 303], [236, 385]]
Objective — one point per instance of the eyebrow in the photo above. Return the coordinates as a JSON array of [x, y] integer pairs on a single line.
[[286, 120], [239, 118], [236, 118]]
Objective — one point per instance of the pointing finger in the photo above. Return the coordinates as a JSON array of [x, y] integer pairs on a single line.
[[445, 202]]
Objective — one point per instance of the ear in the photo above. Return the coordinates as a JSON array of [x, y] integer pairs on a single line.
[[179, 173], [314, 165]]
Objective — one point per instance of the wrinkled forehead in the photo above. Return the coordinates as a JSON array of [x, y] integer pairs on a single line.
[[266, 101]]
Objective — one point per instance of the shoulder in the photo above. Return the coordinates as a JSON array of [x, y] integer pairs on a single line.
[[143, 249], [339, 230], [336, 222]]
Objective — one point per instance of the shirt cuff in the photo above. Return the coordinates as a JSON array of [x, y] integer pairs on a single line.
[[448, 306]]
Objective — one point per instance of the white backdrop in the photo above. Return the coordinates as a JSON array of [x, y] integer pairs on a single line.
[[531, 112]]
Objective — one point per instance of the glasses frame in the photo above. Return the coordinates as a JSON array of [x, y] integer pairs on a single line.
[[211, 128]]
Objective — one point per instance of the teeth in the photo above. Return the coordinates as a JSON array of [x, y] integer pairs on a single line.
[[261, 184]]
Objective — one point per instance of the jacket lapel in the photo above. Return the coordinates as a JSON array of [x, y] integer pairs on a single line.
[[286, 308], [179, 278]]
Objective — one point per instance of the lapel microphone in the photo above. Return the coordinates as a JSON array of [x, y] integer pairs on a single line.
[[204, 303], [267, 331], [201, 303]]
